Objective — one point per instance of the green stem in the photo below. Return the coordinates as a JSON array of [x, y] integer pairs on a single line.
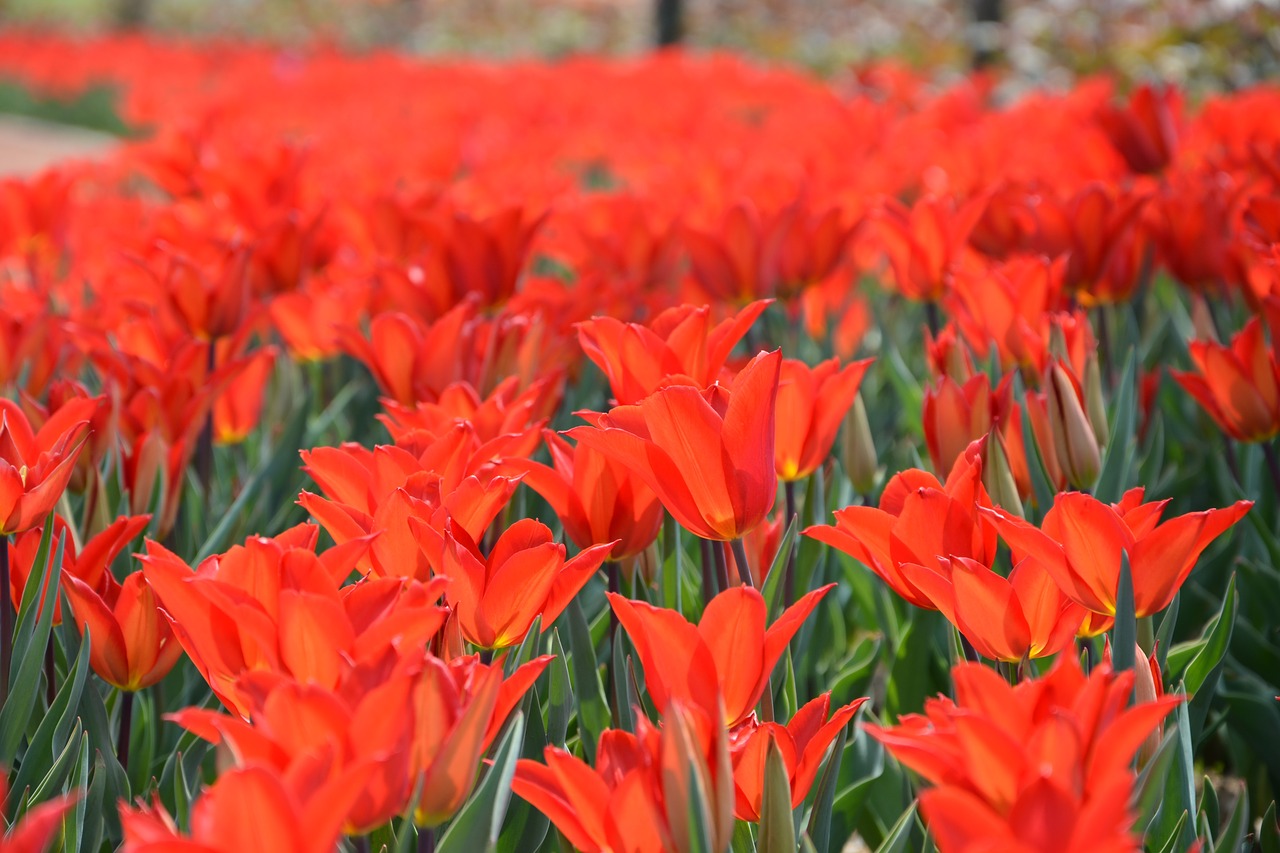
[[744, 569]]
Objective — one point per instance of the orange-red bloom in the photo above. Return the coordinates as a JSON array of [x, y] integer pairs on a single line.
[[1008, 619], [1043, 766], [35, 466], [678, 347], [812, 402], [497, 597], [708, 454], [251, 808], [729, 651], [238, 407], [927, 243], [1081, 539], [1239, 384], [597, 498], [131, 645], [919, 521], [644, 790], [802, 743]]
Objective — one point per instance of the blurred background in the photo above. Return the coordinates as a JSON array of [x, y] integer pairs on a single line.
[[1218, 44]]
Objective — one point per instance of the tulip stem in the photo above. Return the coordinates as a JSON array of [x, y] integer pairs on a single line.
[[612, 572], [788, 577], [126, 728], [1146, 634], [6, 619], [426, 840], [1104, 347], [1273, 464], [708, 572], [361, 843], [722, 565], [744, 570], [932, 317], [204, 444]]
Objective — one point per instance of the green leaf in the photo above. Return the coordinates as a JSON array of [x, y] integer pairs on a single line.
[[819, 827], [1209, 804], [28, 653], [1118, 459], [527, 650], [561, 693], [1205, 670], [57, 723], [477, 826], [593, 710], [772, 589], [1164, 633], [1171, 845], [1269, 831], [525, 826], [1124, 638], [1179, 790], [1232, 836], [625, 700], [896, 838]]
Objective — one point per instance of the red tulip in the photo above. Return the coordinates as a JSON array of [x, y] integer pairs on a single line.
[[35, 466], [1239, 384], [730, 650], [597, 498], [813, 402], [1081, 538], [707, 454], [497, 597], [678, 347], [803, 743]]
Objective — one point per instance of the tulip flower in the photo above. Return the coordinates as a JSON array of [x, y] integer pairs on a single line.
[[678, 347], [274, 604], [927, 242], [955, 415], [1145, 131], [411, 360], [597, 498], [1081, 539], [251, 808], [35, 466], [1008, 619], [803, 743], [1044, 765], [645, 790], [496, 598], [459, 708], [1239, 384], [238, 408], [813, 402], [39, 827], [919, 521], [130, 643], [729, 650], [709, 454], [1097, 227]]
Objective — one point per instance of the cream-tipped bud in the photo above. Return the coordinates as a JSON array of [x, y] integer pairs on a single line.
[[1095, 406], [1073, 440], [997, 476], [860, 463]]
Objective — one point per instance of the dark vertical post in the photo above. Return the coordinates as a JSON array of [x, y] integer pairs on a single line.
[[988, 15], [670, 22]]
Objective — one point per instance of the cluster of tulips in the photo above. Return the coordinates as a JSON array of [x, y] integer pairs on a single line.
[[483, 457]]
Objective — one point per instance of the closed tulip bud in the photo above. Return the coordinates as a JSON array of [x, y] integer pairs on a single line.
[[1094, 405], [1073, 440], [859, 448], [1058, 343], [1202, 320], [997, 476], [1147, 687]]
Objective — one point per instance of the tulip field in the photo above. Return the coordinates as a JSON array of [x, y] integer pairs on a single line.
[[667, 453]]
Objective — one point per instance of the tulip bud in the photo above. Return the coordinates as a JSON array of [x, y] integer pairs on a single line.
[[1147, 687], [859, 448], [1073, 439], [1093, 402], [1202, 320], [997, 476], [1058, 343]]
